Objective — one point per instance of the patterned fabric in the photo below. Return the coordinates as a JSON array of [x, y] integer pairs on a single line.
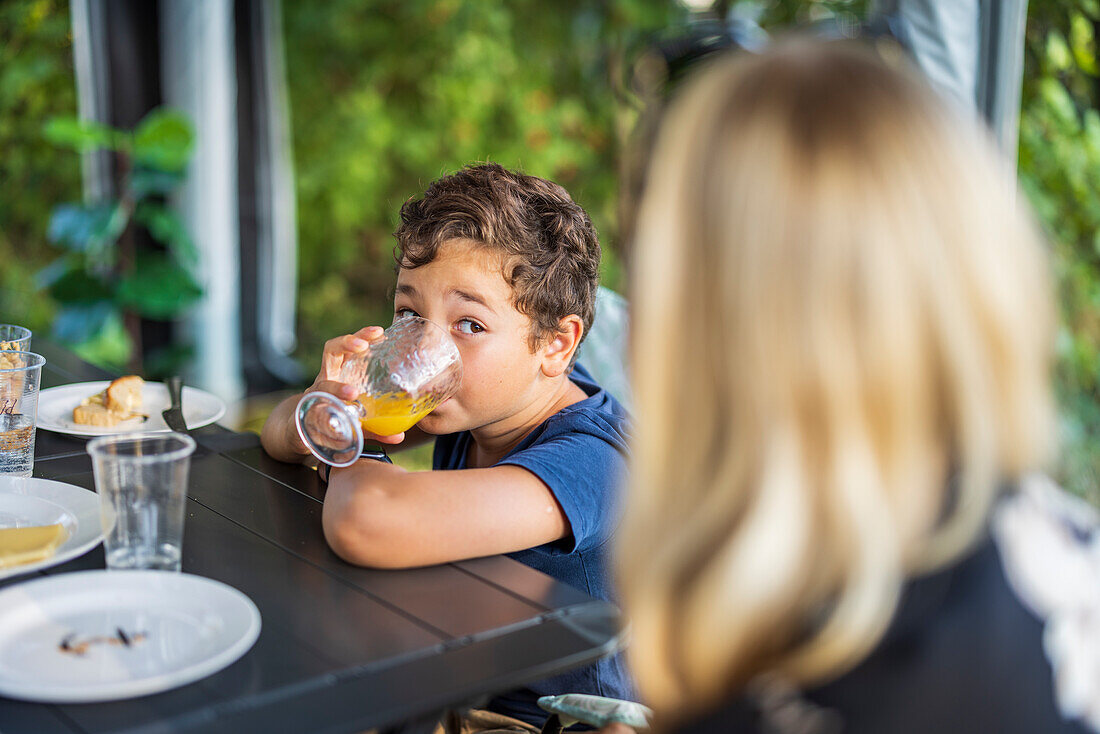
[[596, 710], [1051, 554]]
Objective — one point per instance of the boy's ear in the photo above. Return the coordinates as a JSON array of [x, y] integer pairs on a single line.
[[558, 350]]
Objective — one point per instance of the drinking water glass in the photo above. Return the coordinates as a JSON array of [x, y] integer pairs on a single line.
[[401, 378], [142, 484], [20, 375]]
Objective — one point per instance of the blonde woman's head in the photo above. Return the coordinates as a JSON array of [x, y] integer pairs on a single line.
[[841, 336]]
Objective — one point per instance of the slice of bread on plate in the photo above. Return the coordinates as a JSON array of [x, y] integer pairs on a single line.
[[124, 394], [96, 414], [120, 401]]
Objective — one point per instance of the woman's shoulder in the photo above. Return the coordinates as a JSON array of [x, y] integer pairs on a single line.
[[1006, 639]]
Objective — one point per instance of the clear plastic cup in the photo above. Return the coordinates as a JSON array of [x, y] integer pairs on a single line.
[[142, 484], [401, 378], [20, 375]]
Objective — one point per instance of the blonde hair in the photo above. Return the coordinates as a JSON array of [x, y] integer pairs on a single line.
[[843, 327]]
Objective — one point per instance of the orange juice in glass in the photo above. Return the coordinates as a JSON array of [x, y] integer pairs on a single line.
[[392, 413], [401, 378]]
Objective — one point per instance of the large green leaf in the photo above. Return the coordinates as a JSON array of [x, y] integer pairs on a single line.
[[166, 361], [1083, 44], [1058, 54], [78, 323], [50, 274], [145, 182], [82, 136], [158, 288], [81, 228], [167, 227], [1060, 103], [109, 345], [163, 140], [76, 286]]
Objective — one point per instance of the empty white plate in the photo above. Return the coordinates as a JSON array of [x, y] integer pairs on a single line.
[[107, 635], [55, 409], [27, 501]]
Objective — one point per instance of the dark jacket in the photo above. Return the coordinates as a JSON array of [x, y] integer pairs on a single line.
[[963, 654]]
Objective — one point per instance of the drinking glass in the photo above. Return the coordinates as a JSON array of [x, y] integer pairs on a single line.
[[142, 484], [20, 375], [401, 378], [14, 338]]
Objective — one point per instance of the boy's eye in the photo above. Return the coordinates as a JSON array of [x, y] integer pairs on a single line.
[[403, 313], [468, 326]]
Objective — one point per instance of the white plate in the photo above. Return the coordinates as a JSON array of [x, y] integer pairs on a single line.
[[55, 409], [26, 501], [180, 628]]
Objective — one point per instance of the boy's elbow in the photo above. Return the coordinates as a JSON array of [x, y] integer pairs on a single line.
[[361, 531]]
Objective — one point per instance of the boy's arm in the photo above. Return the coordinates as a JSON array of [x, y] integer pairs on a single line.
[[382, 516], [279, 437]]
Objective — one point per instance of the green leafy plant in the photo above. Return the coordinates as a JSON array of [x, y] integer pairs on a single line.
[[1060, 173], [36, 83], [103, 282], [388, 96]]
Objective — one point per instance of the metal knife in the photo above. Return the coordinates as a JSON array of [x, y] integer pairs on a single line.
[[173, 416]]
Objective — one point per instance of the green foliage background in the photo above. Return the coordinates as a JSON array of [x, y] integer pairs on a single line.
[[389, 94], [103, 284], [1060, 172], [36, 83]]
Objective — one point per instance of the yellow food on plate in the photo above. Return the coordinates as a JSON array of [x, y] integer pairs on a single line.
[[120, 401], [19, 546], [96, 414]]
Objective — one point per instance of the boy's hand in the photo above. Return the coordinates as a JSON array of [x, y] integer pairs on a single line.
[[280, 437], [338, 351]]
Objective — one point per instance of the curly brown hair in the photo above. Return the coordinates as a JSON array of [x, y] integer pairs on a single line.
[[550, 248]]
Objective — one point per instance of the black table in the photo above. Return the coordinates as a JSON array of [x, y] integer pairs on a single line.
[[342, 648]]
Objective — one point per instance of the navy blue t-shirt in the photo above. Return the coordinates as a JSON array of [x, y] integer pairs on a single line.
[[580, 454]]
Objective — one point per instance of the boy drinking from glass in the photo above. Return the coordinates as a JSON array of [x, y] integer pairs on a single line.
[[530, 451]]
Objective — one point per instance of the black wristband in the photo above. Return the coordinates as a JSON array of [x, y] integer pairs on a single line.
[[375, 451]]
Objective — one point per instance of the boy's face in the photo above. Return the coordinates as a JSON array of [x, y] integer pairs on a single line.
[[464, 291]]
